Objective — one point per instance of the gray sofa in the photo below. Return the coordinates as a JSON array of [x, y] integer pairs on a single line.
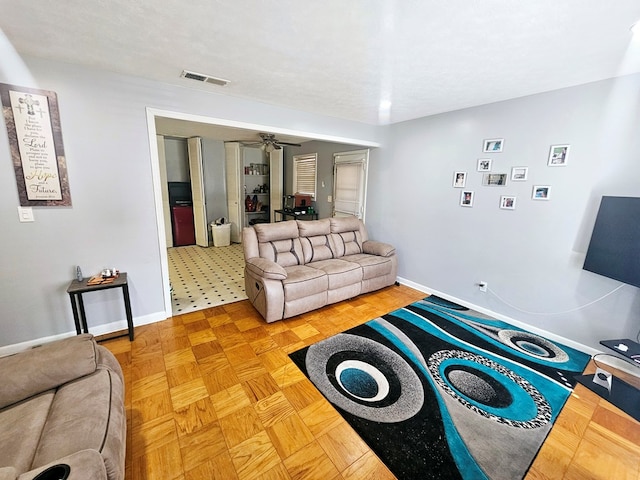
[[297, 266], [62, 403]]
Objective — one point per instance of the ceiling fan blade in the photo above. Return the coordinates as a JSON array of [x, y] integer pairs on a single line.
[[246, 143], [286, 144]]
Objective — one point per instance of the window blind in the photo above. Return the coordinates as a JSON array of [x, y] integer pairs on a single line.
[[304, 174]]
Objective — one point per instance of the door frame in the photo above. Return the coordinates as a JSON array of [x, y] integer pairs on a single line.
[[151, 114]]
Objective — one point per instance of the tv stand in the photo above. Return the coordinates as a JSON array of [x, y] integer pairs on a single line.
[[622, 394]]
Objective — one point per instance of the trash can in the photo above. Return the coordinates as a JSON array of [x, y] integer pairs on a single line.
[[221, 234]]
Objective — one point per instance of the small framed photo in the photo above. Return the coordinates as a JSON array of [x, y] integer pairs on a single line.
[[494, 179], [466, 198], [484, 164], [541, 192], [459, 179], [508, 202], [493, 145], [519, 174], [558, 155]]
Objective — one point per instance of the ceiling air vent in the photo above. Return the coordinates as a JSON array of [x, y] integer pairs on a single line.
[[204, 78]]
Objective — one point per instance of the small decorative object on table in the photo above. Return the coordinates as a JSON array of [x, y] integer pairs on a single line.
[[108, 275]]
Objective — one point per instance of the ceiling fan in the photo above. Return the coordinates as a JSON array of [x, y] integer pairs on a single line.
[[269, 142]]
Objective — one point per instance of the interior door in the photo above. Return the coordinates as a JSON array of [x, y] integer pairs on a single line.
[[166, 208], [350, 183], [197, 191], [233, 169], [276, 182]]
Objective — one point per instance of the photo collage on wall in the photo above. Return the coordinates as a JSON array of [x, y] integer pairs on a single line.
[[558, 157]]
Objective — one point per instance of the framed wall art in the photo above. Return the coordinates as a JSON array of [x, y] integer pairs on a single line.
[[494, 179], [459, 179], [519, 174], [493, 145], [466, 198], [508, 202], [558, 155], [35, 139], [484, 165], [541, 192]]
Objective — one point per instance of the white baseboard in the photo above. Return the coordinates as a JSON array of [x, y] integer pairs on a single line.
[[96, 331]]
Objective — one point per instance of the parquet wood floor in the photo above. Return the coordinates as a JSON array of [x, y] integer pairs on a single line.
[[213, 395]]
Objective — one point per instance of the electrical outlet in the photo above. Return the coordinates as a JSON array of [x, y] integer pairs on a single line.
[[25, 214], [482, 285]]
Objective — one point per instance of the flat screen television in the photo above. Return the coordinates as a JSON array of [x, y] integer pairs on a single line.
[[614, 250]]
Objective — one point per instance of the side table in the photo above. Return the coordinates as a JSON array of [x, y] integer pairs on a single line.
[[307, 216], [77, 288]]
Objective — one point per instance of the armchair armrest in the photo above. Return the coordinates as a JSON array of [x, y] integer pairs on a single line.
[[265, 268], [83, 465], [378, 248], [47, 366], [8, 473]]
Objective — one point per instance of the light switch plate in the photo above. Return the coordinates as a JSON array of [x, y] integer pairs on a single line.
[[25, 214]]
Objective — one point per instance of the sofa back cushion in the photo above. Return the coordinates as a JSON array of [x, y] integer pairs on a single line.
[[348, 235], [280, 243], [45, 367], [315, 237]]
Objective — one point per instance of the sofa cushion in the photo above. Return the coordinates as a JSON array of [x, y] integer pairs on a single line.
[[78, 418], [303, 281], [345, 224], [319, 247], [339, 272], [347, 243], [47, 366], [268, 232], [372, 265], [22, 425], [285, 253], [311, 228]]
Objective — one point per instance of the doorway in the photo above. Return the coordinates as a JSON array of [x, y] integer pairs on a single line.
[[201, 275], [226, 130]]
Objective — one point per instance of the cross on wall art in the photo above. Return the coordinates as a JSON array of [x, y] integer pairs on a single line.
[[35, 138]]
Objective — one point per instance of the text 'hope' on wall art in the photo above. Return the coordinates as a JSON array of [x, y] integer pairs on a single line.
[[35, 137]]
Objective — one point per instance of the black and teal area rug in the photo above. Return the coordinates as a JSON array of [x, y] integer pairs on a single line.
[[441, 391]]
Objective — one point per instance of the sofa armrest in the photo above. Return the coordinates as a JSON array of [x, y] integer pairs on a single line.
[[378, 248], [47, 366], [265, 268], [83, 465]]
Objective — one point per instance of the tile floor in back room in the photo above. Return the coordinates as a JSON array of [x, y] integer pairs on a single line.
[[205, 277]]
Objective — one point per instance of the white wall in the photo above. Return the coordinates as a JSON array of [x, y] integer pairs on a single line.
[[113, 220], [532, 256]]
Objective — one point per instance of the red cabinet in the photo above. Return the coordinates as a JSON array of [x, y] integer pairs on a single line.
[[184, 232]]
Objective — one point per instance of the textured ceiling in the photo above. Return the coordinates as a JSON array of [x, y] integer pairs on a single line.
[[340, 58]]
